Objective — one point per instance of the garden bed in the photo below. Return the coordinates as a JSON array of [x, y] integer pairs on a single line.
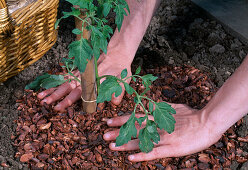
[[179, 34]]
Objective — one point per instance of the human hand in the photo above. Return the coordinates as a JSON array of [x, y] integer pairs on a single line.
[[72, 91], [192, 134]]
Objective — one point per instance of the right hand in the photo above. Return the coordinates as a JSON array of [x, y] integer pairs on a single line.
[[193, 133]]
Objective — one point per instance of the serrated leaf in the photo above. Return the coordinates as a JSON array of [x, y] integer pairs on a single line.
[[95, 30], [103, 44], [148, 79], [35, 85], [106, 8], [120, 12], [147, 136], [150, 106], [128, 88], [46, 81], [82, 4], [82, 52], [107, 88], [124, 73], [99, 42], [69, 63], [53, 81], [73, 12], [107, 30], [138, 70], [76, 31], [163, 118], [134, 79], [127, 131], [119, 19], [141, 119]]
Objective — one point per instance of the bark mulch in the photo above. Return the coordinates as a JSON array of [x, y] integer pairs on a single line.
[[73, 140]]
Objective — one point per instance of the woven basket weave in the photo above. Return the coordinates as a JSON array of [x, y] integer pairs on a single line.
[[25, 35]]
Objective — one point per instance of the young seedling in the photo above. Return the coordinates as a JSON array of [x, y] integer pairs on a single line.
[[82, 50]]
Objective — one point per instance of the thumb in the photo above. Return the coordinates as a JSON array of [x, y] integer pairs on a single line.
[[117, 100]]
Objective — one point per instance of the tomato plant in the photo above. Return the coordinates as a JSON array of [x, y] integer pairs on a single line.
[[82, 50]]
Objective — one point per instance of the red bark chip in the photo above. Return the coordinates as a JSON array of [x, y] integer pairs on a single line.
[[74, 140]]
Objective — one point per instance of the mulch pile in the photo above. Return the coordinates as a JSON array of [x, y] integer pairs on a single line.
[[73, 140]]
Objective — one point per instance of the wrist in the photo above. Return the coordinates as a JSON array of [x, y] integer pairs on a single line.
[[214, 126], [119, 54]]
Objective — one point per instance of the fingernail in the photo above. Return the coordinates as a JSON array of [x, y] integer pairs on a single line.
[[107, 135], [44, 101], [131, 157], [105, 119], [112, 145], [57, 107], [110, 121]]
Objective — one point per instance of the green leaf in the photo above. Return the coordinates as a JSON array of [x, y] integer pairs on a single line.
[[103, 45], [107, 88], [124, 73], [150, 106], [83, 4], [107, 30], [128, 88], [98, 41], [141, 119], [82, 52], [76, 31], [119, 17], [46, 81], [148, 79], [69, 63], [138, 70], [35, 85], [74, 12], [53, 81], [163, 116], [96, 30], [147, 136], [134, 79], [127, 131], [106, 8]]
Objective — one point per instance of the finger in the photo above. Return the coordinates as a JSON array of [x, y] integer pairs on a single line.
[[117, 100], [61, 91], [120, 120], [111, 135], [156, 153], [45, 93], [130, 146], [69, 100]]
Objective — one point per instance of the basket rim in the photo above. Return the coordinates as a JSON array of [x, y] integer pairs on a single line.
[[21, 15]]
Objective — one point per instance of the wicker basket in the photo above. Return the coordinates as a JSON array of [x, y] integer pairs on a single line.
[[25, 35]]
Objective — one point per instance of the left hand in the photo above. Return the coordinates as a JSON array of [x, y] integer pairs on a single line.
[[71, 92], [192, 134]]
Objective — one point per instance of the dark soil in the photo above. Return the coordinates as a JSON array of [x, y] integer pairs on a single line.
[[179, 34]]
